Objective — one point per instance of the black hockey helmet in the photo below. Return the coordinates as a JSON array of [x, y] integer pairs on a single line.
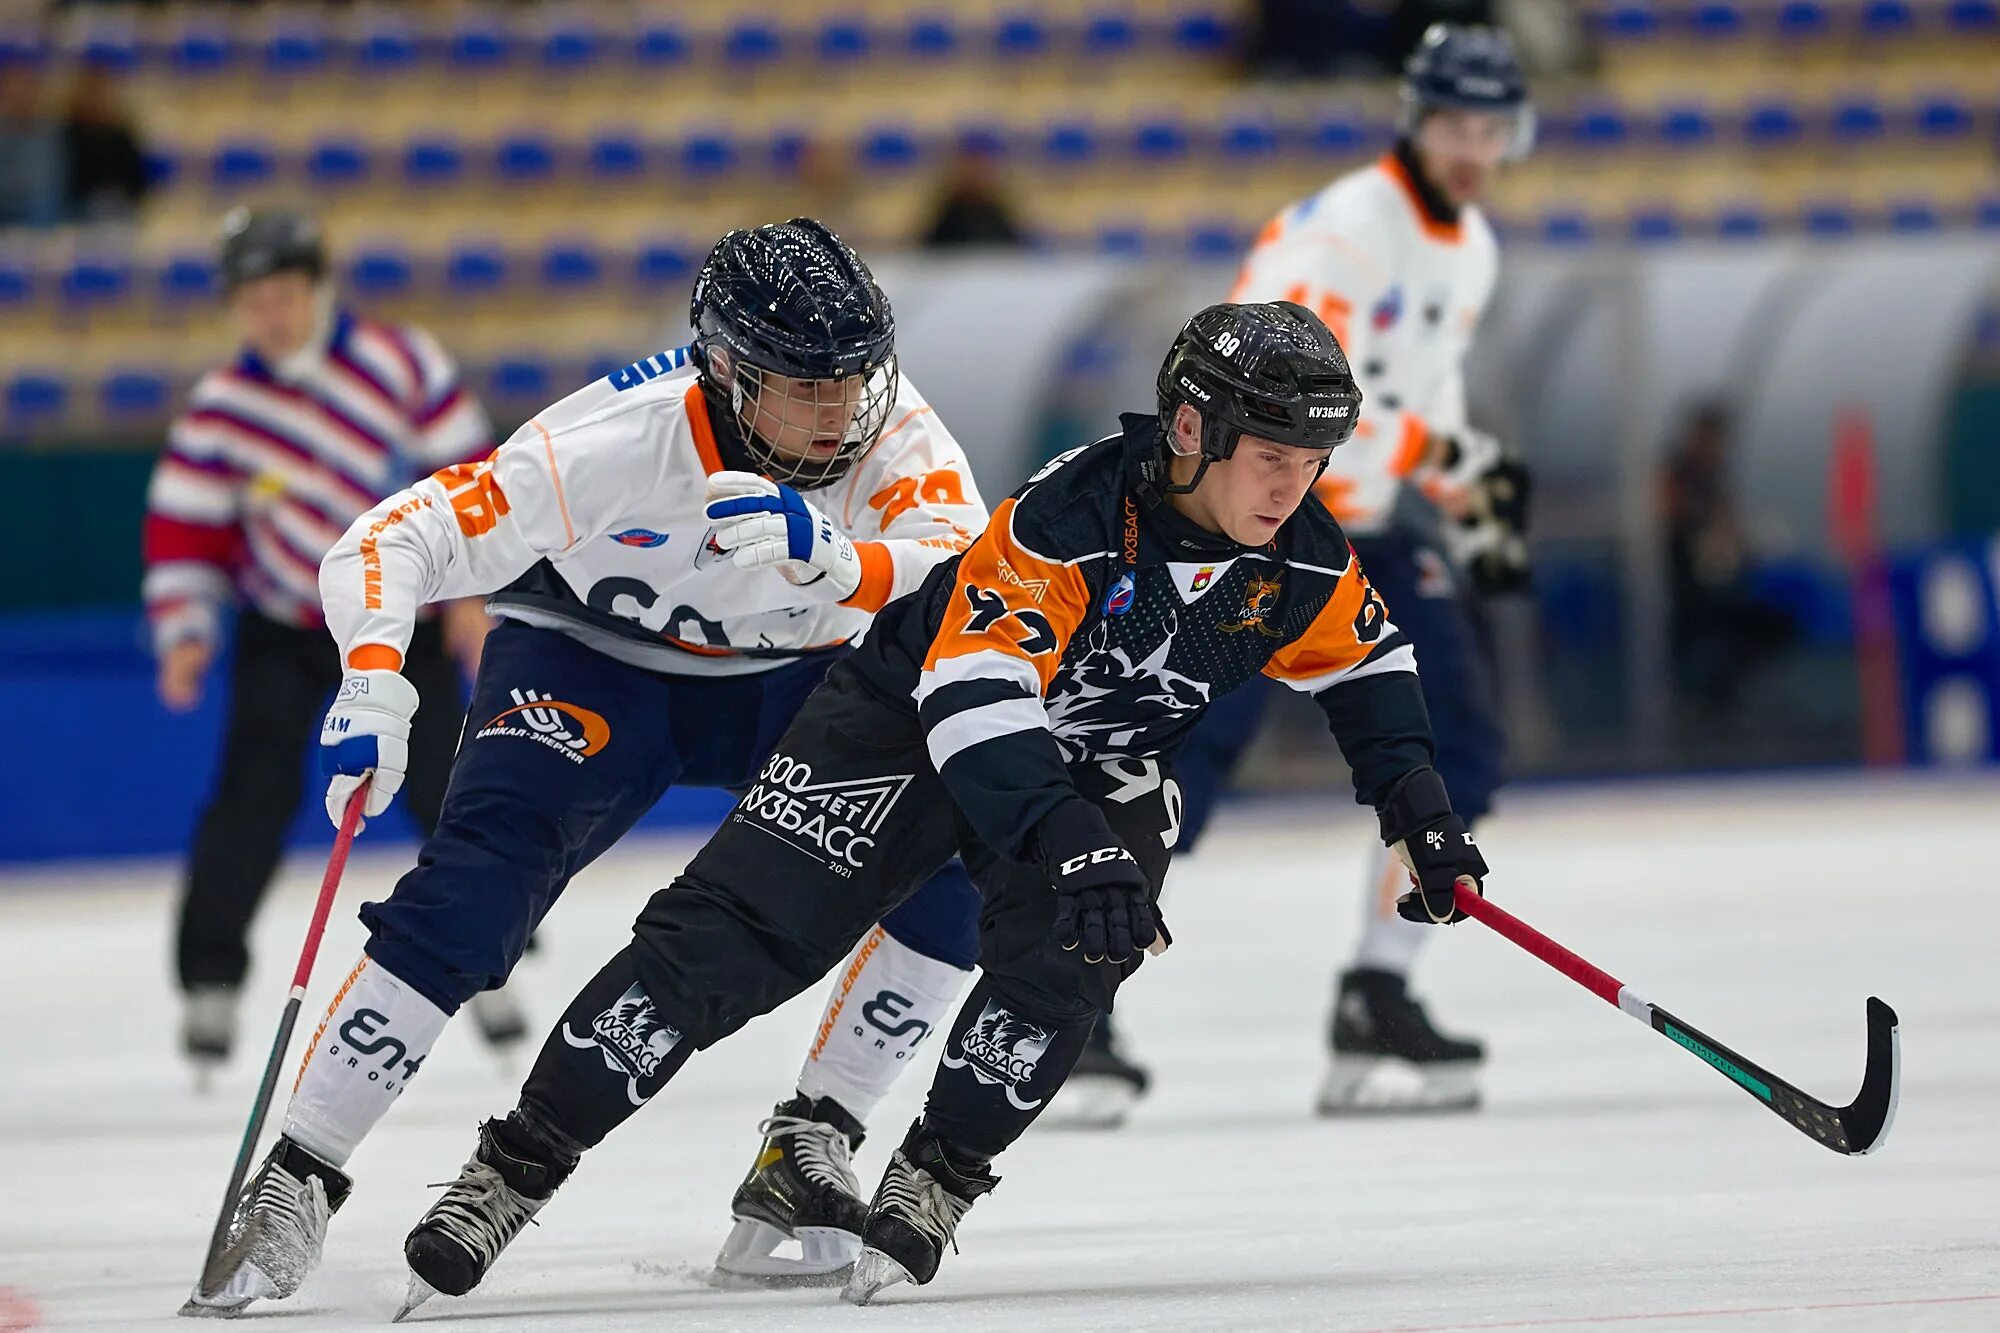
[[257, 242], [1272, 371], [792, 299], [1469, 68]]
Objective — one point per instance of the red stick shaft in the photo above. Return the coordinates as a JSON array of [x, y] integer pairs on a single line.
[[1586, 974], [343, 842]]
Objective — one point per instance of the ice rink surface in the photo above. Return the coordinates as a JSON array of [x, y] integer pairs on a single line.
[[1612, 1182]]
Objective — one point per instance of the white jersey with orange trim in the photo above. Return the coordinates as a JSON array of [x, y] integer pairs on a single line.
[[1403, 293], [590, 521]]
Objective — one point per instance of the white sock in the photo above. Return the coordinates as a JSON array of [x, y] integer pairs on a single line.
[[1388, 942], [374, 1037], [885, 1001]]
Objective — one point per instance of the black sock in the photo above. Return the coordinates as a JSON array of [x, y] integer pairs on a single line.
[[607, 1056], [1001, 1064]]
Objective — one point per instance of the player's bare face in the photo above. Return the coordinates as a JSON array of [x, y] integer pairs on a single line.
[[1249, 495], [805, 420], [275, 316], [1462, 150]]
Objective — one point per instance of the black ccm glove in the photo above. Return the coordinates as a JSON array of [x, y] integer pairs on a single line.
[[1418, 825], [1104, 903]]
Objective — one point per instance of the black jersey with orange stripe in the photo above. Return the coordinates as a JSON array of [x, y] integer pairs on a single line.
[[1091, 621]]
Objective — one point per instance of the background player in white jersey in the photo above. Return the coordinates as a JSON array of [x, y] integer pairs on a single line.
[[1399, 261], [665, 609], [319, 415]]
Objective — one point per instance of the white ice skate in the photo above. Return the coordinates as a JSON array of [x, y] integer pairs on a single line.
[[208, 1029], [277, 1236]]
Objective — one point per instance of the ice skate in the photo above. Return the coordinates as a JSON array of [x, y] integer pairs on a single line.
[[1388, 1058], [500, 1020], [802, 1189], [1103, 1088], [208, 1029], [277, 1234], [915, 1215], [504, 1184]]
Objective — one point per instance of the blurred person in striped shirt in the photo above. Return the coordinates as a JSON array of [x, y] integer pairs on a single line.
[[319, 416]]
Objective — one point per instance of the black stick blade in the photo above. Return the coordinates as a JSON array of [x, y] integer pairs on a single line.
[[1861, 1125]]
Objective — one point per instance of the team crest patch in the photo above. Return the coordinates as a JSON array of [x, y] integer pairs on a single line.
[[1258, 601], [1203, 577], [639, 537], [1119, 600], [631, 1037], [1387, 310], [1002, 1048]]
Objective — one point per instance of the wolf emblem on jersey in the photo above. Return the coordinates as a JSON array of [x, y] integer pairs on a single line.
[[1002, 1049], [630, 1037], [1102, 701], [1257, 601]]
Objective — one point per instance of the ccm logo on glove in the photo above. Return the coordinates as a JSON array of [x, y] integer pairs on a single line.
[[1098, 857]]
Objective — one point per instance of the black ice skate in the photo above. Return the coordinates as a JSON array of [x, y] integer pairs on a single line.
[[915, 1215], [1388, 1058], [801, 1188], [1103, 1088], [277, 1234], [508, 1179]]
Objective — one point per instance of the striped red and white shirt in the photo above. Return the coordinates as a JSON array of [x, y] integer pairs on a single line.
[[267, 467]]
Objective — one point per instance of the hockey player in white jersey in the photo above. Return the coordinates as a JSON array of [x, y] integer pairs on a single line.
[[1399, 261], [677, 554]]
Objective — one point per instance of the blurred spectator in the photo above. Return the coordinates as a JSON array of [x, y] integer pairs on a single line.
[[971, 209], [1720, 629], [107, 168], [32, 178]]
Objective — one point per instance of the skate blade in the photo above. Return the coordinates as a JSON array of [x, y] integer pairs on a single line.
[[419, 1292], [194, 1307], [1389, 1085], [1090, 1101], [749, 1257], [230, 1297], [873, 1272]]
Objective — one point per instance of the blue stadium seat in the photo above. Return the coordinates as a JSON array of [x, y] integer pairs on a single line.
[[135, 393], [113, 49], [1567, 226], [1338, 133], [23, 47], [1653, 224], [659, 44], [709, 153], [479, 44], [163, 165], [1772, 124], [617, 155], [475, 269], [1160, 140], [1913, 215], [35, 397], [242, 165], [334, 163], [523, 377], [1629, 20], [1888, 18], [379, 271], [189, 278], [1109, 35], [1070, 143], [17, 282], [1216, 240], [786, 150], [1204, 33], [573, 44], [571, 264], [1686, 125], [1742, 221], [1248, 140], [1857, 119], [1943, 116], [1600, 125], [1718, 20], [297, 49], [890, 148], [844, 40], [753, 42], [200, 50], [432, 162], [1123, 240], [1980, 17], [1986, 212], [932, 37], [386, 46], [662, 264], [524, 158], [1021, 36], [1828, 219], [1803, 19], [989, 138]]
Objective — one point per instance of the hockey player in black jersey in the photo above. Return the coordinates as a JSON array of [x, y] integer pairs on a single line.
[[1021, 709]]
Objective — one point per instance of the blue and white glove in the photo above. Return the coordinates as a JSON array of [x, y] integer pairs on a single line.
[[762, 524], [366, 731]]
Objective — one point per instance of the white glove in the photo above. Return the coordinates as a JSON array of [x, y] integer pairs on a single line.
[[366, 731], [1469, 456], [762, 523]]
